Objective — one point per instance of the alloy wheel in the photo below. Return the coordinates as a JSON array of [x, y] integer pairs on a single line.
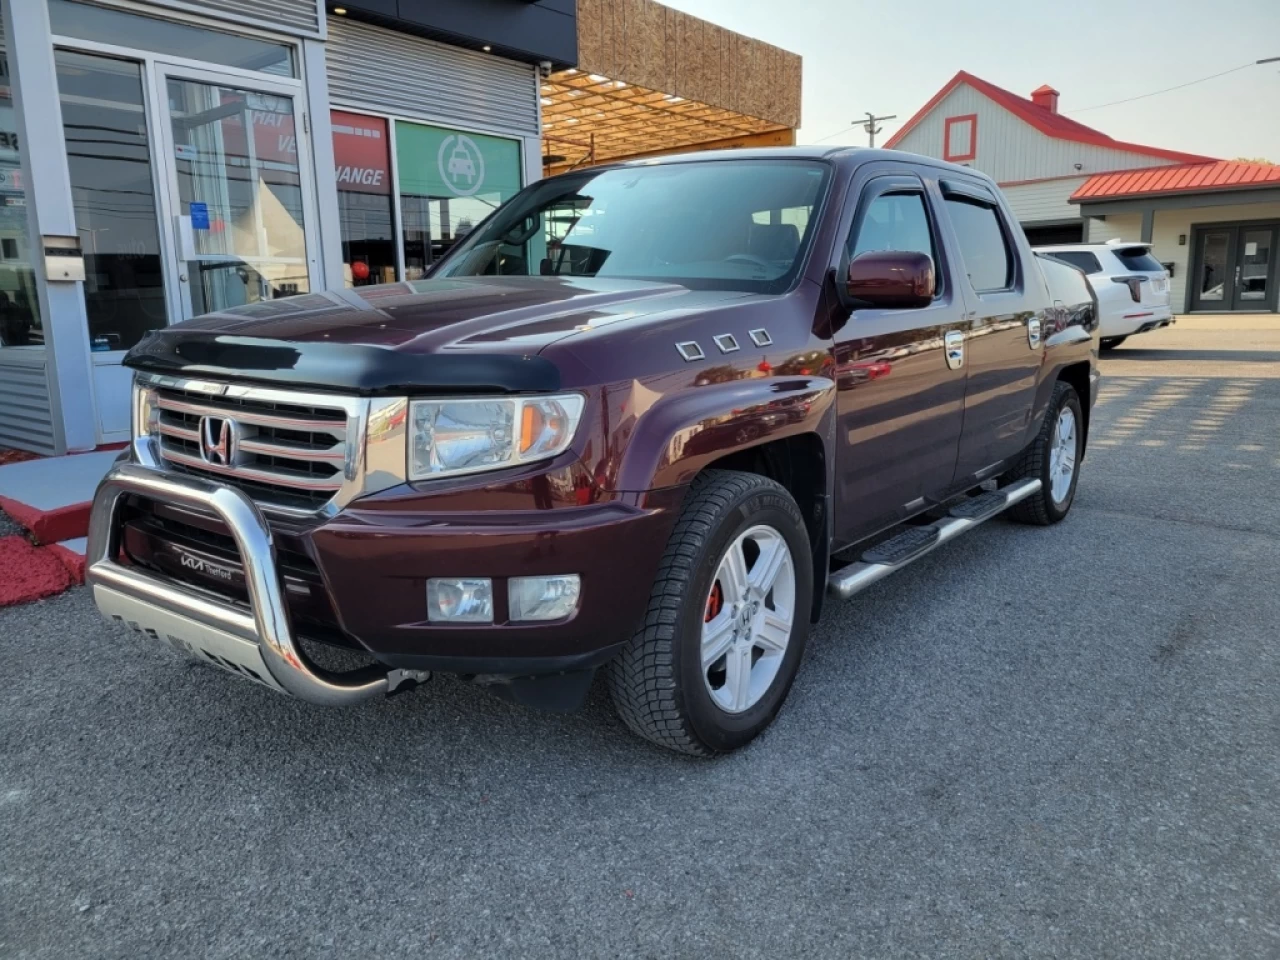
[[750, 611]]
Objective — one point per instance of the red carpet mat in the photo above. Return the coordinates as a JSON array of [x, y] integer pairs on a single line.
[[15, 456], [28, 572]]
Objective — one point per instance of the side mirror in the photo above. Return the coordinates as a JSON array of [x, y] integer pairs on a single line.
[[891, 278]]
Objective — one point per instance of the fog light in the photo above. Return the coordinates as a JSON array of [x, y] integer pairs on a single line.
[[460, 600], [544, 598]]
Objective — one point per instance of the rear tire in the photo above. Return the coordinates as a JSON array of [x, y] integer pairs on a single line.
[[1110, 343], [737, 576], [1057, 447]]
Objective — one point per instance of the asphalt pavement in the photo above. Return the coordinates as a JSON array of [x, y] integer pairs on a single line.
[[1032, 743]]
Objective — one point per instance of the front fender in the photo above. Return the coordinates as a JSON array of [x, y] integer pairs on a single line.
[[685, 431]]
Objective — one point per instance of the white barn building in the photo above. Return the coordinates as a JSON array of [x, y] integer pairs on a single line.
[[1214, 224]]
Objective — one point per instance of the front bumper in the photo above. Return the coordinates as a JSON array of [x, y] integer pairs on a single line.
[[246, 601], [257, 644]]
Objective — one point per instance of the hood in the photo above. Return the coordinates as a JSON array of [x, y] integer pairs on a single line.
[[481, 333]]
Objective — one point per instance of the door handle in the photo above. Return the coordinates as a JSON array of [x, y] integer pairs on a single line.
[[1033, 332], [954, 344]]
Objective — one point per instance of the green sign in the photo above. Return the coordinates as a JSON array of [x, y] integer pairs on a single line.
[[435, 162]]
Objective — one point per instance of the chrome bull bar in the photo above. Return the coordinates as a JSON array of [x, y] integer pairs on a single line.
[[257, 644]]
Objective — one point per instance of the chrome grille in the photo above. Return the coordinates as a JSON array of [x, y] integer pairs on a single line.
[[291, 453]]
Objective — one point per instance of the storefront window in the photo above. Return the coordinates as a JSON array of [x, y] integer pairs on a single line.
[[19, 305], [83, 21], [362, 158], [449, 182], [114, 197]]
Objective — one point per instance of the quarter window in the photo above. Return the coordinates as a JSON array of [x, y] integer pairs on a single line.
[[982, 244]]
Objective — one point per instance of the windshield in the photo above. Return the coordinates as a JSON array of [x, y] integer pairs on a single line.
[[725, 224]]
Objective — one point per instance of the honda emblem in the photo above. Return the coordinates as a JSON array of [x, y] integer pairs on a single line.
[[218, 441]]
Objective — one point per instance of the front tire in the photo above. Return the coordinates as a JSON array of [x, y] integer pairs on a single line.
[[1053, 457], [709, 668]]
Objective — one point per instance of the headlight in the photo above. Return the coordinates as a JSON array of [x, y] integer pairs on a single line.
[[467, 436]]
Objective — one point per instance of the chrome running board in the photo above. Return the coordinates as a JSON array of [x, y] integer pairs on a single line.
[[896, 553]]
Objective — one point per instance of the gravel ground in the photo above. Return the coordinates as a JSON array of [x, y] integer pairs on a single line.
[[8, 527], [1032, 743]]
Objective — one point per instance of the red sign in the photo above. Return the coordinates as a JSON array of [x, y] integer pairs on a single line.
[[361, 153]]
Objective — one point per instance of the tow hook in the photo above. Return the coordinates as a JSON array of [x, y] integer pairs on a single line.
[[403, 681]]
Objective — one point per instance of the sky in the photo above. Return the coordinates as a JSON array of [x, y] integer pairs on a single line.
[[891, 57]]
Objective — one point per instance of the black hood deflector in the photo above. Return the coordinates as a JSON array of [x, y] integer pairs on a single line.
[[349, 368]]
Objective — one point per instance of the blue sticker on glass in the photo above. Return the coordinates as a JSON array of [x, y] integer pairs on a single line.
[[199, 216]]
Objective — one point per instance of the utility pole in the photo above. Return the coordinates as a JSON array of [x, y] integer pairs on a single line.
[[871, 128]]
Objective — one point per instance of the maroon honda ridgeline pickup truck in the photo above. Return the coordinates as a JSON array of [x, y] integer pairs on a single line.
[[641, 420]]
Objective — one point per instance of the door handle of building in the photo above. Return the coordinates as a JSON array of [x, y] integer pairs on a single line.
[[954, 344], [182, 277]]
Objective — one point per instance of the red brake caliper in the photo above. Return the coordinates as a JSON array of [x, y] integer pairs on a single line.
[[715, 602]]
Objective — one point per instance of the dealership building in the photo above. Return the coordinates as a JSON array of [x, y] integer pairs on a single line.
[[168, 158]]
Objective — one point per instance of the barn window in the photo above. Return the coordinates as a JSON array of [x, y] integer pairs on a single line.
[[960, 138]]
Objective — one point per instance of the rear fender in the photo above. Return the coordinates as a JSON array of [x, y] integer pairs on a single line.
[[685, 431], [1065, 350]]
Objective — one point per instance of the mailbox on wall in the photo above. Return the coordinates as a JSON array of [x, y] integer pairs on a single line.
[[63, 259]]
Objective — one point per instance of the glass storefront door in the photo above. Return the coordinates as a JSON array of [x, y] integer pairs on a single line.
[[238, 191], [1236, 267], [191, 181]]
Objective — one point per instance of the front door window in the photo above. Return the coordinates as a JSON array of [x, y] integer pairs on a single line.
[[105, 125], [240, 220]]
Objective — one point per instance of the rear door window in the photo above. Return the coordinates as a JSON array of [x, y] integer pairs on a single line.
[[983, 245], [1078, 258], [1138, 260]]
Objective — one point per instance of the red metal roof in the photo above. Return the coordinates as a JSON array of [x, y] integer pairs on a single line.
[[1048, 123], [1182, 178]]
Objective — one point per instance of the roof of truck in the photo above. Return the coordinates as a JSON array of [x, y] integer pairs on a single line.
[[752, 153], [864, 155]]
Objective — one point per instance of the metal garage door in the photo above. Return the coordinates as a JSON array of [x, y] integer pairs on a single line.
[[394, 73]]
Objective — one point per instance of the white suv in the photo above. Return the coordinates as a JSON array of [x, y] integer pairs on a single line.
[[1131, 285]]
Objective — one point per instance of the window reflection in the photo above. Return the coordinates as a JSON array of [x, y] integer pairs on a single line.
[[114, 197], [19, 306], [240, 188]]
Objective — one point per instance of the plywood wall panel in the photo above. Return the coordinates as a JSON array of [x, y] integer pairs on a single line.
[[642, 42], [590, 31]]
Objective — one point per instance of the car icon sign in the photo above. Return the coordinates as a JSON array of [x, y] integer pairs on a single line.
[[461, 164]]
